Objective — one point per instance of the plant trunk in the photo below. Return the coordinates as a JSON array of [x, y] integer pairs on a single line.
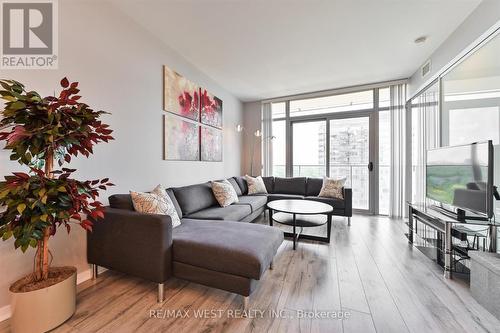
[[42, 253], [49, 164]]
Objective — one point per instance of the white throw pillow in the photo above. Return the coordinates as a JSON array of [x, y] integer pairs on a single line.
[[224, 193], [155, 202], [332, 188], [255, 185]]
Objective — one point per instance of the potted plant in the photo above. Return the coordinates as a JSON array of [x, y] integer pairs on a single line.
[[40, 131]]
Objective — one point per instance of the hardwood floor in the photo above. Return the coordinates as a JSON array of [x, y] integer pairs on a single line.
[[368, 271]]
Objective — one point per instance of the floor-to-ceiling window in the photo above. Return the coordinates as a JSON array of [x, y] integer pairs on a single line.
[[331, 137], [461, 106], [338, 136], [471, 98], [424, 135]]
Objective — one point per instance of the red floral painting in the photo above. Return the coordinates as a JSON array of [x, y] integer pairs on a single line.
[[181, 96], [211, 109], [193, 122]]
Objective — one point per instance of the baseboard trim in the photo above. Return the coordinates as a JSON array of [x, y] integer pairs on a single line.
[[83, 276], [5, 311]]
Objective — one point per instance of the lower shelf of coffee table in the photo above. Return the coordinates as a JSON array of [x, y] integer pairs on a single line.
[[300, 220]]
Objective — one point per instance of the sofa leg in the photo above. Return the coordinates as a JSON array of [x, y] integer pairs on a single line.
[[271, 266], [245, 302], [349, 221], [160, 292], [94, 268]]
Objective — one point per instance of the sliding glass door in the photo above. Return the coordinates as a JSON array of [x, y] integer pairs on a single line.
[[350, 157], [338, 147]]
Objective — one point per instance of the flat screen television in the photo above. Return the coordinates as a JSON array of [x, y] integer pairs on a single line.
[[462, 177]]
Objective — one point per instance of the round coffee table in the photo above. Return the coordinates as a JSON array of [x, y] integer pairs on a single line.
[[302, 214]]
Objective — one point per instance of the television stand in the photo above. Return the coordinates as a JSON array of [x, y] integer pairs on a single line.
[[460, 215], [443, 223], [443, 211]]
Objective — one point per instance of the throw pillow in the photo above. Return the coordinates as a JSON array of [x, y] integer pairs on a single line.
[[155, 202], [332, 188], [224, 193], [172, 211], [255, 185]]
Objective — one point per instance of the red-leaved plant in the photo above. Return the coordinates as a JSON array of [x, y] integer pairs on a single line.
[[41, 130]]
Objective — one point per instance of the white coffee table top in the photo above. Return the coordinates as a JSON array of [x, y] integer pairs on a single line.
[[303, 207]]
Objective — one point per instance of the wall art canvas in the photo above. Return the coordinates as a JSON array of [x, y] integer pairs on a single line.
[[211, 144], [211, 109], [181, 96], [182, 139]]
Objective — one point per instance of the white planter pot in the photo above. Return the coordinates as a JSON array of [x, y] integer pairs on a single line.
[[44, 309]]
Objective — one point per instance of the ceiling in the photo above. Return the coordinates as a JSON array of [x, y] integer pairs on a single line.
[[270, 48]]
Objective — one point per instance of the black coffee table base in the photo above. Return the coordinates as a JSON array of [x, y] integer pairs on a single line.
[[298, 221]]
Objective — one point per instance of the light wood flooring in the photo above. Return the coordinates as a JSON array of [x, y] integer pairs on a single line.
[[367, 271]]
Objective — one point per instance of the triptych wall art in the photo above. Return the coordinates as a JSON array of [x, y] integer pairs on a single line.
[[193, 121]]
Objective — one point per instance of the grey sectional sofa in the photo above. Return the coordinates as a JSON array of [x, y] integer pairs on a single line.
[[211, 246]]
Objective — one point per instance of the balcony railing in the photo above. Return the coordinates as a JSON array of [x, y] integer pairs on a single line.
[[318, 170]]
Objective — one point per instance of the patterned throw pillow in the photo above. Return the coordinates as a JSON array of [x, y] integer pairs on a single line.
[[224, 193], [332, 188], [255, 185], [155, 202]]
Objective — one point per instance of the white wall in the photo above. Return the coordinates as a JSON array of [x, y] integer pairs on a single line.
[[477, 23], [119, 67]]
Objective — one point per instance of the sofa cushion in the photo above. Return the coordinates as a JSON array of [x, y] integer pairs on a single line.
[[276, 196], [229, 213], [269, 182], [296, 185], [334, 202], [193, 198], [121, 201], [241, 249], [242, 183], [254, 201], [235, 185], [313, 186]]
